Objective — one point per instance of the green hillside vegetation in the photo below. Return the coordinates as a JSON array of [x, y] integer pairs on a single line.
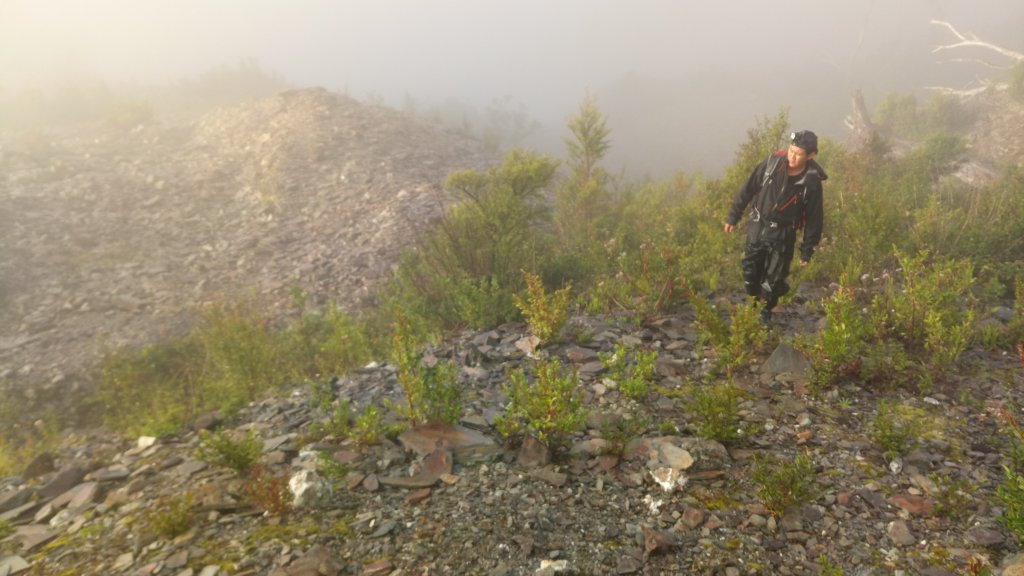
[[537, 239]]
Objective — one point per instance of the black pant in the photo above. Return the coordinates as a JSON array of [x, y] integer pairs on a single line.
[[766, 261]]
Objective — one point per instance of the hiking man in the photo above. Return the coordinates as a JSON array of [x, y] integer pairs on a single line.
[[787, 195]]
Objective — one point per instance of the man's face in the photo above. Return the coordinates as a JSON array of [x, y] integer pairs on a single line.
[[798, 157]]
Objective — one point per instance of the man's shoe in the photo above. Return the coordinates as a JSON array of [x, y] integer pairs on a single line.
[[766, 317]]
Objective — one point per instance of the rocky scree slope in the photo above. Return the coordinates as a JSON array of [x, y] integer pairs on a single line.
[[113, 236], [650, 499]]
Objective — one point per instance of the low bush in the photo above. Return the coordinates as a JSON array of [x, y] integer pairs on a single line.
[[233, 356], [619, 431], [549, 408], [632, 369], [338, 423], [897, 428], [783, 484], [327, 343], [735, 343], [369, 426], [432, 393], [837, 351], [545, 313], [171, 517], [715, 412], [267, 491], [224, 449], [642, 284], [1011, 490]]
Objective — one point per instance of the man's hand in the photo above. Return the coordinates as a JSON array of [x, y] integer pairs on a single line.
[[803, 262], [729, 228]]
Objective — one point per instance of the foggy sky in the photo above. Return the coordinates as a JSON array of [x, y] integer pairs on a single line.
[[680, 81]]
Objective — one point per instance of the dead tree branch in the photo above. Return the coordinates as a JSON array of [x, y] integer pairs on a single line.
[[972, 40]]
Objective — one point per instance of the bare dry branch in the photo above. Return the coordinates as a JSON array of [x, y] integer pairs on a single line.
[[984, 63], [972, 40], [964, 94]]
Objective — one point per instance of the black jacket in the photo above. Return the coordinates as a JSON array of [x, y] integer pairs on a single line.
[[802, 210]]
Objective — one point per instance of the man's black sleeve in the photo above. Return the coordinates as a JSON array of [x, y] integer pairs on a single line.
[[815, 213], [745, 194]]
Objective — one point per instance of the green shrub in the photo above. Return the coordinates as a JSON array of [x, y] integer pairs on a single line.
[[233, 355], [171, 517], [482, 244], [1011, 494], [902, 116], [432, 393], [632, 369], [482, 302], [1015, 328], [837, 351], [643, 284], [735, 343], [328, 343], [243, 355], [338, 423], [715, 412], [549, 408], [6, 529], [897, 428], [222, 449], [332, 470], [545, 313], [954, 497], [369, 426], [154, 390], [929, 311], [582, 200], [1011, 491], [267, 491], [782, 484], [826, 568], [619, 431], [21, 436]]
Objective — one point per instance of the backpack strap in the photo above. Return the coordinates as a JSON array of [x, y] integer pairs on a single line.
[[771, 166]]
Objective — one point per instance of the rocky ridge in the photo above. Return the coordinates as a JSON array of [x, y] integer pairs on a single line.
[[113, 236], [455, 500]]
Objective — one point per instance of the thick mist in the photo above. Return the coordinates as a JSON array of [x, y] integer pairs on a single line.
[[680, 82]]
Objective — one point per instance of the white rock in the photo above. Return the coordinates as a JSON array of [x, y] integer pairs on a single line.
[[307, 488], [670, 479]]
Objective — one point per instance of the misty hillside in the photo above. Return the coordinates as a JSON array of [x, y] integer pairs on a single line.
[[865, 432], [114, 233]]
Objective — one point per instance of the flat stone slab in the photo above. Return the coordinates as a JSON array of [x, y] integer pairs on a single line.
[[786, 359], [12, 565], [464, 443]]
